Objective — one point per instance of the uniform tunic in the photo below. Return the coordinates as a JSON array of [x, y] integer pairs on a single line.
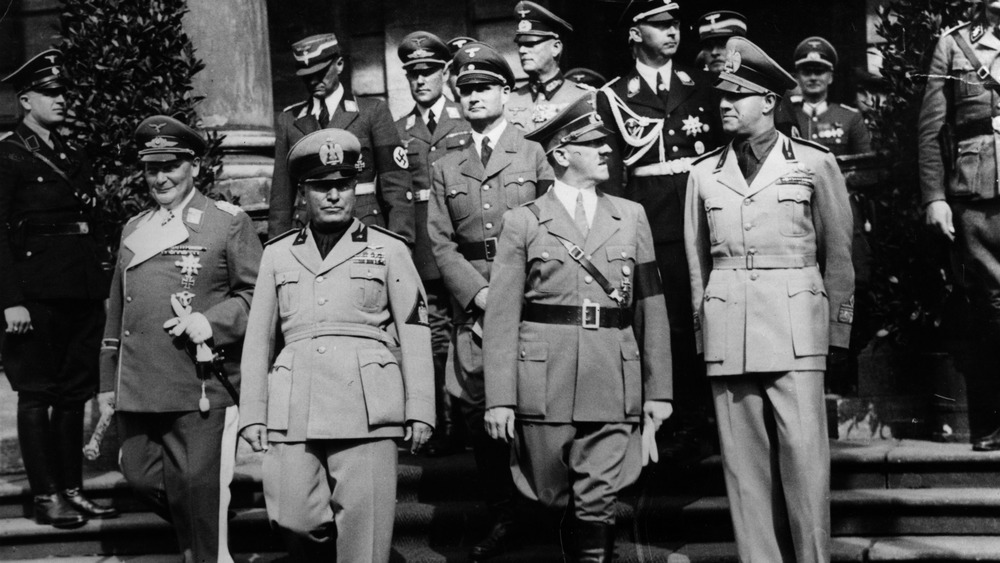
[[529, 110], [840, 128]]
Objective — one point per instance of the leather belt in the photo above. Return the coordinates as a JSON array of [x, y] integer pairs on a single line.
[[57, 229], [364, 188], [668, 168], [422, 195], [753, 261], [589, 315], [973, 129], [336, 329], [484, 250]]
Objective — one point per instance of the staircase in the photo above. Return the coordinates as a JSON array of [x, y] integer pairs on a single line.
[[893, 500]]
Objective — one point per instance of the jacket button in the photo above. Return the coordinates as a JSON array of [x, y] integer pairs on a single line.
[[433, 149], [128, 299], [374, 211], [409, 196], [127, 333], [752, 250], [486, 206], [814, 288], [675, 149], [40, 179], [522, 353], [321, 349], [489, 225], [453, 192], [369, 274], [319, 279], [624, 254], [747, 226], [588, 279], [520, 180], [28, 254], [486, 187], [671, 132], [747, 201], [322, 301], [545, 255], [754, 276]]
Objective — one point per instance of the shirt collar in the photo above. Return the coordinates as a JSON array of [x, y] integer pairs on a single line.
[[332, 102], [760, 145], [566, 194], [494, 135], [648, 73], [815, 109], [437, 107]]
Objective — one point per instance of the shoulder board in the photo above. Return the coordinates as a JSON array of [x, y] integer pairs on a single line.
[[5, 135], [283, 235], [294, 106], [953, 29], [808, 143], [712, 152], [849, 108], [136, 217], [228, 207], [386, 231]]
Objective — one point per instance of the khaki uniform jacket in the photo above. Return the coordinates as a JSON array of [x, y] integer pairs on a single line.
[[777, 316], [326, 319], [154, 372], [423, 149], [529, 114], [955, 93], [567, 373], [840, 128], [468, 202]]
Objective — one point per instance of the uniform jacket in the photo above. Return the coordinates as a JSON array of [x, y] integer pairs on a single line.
[[423, 149], [529, 113], [46, 267], [840, 128], [770, 318], [567, 373], [215, 242], [381, 151], [691, 127], [468, 203], [326, 319], [956, 95]]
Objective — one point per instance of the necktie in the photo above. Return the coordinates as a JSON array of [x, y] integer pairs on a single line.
[[324, 113], [580, 216], [743, 160], [485, 151], [661, 88], [431, 124]]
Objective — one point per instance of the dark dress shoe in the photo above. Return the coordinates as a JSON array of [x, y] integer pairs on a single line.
[[495, 543], [87, 507], [53, 510], [989, 443]]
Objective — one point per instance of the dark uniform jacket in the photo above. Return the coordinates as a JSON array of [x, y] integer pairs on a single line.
[[955, 94], [335, 377], [423, 149], [772, 284], [382, 153], [690, 128], [567, 373], [35, 202], [840, 128], [154, 372]]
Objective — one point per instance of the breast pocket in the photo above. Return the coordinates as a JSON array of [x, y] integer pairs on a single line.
[[796, 205], [459, 201], [368, 285], [519, 188], [967, 83], [544, 263], [714, 208], [288, 292], [972, 175], [279, 391], [382, 384], [809, 316]]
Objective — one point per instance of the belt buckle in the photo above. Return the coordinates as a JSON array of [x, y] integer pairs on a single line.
[[84, 228], [490, 246], [591, 315], [982, 72]]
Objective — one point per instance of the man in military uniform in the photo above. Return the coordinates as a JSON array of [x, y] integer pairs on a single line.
[[181, 291], [472, 189], [328, 405], [575, 301], [454, 44], [433, 129], [663, 116], [52, 291], [384, 193], [768, 237], [714, 30], [958, 184], [539, 38]]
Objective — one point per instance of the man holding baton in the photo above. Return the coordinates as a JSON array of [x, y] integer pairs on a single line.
[[184, 280]]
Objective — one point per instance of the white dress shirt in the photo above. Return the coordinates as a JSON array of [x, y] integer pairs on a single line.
[[437, 108], [567, 196], [649, 73], [332, 101], [493, 136]]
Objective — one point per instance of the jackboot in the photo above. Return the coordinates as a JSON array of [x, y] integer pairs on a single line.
[[587, 542], [67, 433], [500, 536]]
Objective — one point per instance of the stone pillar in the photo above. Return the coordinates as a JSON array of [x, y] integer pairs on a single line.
[[231, 37]]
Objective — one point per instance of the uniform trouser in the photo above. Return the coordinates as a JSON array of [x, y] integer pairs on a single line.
[[332, 500], [577, 467], [776, 458], [182, 464]]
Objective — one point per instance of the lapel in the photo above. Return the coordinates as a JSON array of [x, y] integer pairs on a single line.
[[644, 95], [346, 112], [150, 238], [988, 42], [729, 174], [606, 223], [446, 123], [345, 248], [308, 122], [305, 251], [472, 166], [503, 154], [772, 169], [418, 129], [679, 92], [557, 220]]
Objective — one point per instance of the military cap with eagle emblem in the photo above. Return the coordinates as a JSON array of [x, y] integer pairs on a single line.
[[536, 21], [161, 138], [815, 51], [42, 72], [721, 23], [749, 70], [576, 123], [422, 50], [586, 77], [332, 153], [651, 11], [479, 63], [315, 53]]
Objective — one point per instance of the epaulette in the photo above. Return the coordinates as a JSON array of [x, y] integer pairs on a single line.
[[388, 232], [809, 143], [714, 151], [954, 28], [136, 217], [229, 208], [285, 234], [849, 108], [5, 135], [296, 105]]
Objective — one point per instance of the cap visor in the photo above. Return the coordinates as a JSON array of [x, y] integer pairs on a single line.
[[424, 64], [476, 78], [160, 157], [729, 83], [661, 17], [313, 68], [330, 173]]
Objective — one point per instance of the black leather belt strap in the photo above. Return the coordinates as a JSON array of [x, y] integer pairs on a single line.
[[484, 250], [973, 129], [57, 229], [588, 315]]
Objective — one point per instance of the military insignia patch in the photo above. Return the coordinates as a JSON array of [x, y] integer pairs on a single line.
[[351, 105], [411, 121], [633, 86], [419, 316], [733, 61], [685, 77], [400, 158], [846, 312], [796, 180], [452, 112], [183, 250], [977, 32], [193, 216]]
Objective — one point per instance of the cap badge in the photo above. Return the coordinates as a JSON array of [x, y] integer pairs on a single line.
[[418, 41], [51, 58], [157, 126], [471, 51], [331, 153], [525, 25], [421, 54], [55, 71], [814, 44], [733, 61], [460, 43], [160, 142], [523, 13], [712, 19]]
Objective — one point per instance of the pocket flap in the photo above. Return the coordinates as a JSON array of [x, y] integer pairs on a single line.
[[798, 195], [284, 360], [518, 178], [456, 189], [713, 203], [534, 351], [962, 64], [620, 252], [368, 271], [378, 356], [457, 140], [291, 276], [797, 286], [718, 291], [546, 253], [630, 351]]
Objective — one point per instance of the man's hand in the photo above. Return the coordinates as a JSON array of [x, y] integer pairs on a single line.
[[653, 415], [195, 326], [657, 412], [18, 319], [256, 436], [420, 432], [499, 423], [937, 216], [480, 299], [106, 403]]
